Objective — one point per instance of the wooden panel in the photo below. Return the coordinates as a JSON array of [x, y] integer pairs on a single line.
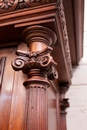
[[7, 88], [18, 105], [52, 117], [12, 95], [2, 64]]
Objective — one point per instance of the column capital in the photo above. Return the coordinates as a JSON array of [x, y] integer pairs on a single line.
[[39, 34]]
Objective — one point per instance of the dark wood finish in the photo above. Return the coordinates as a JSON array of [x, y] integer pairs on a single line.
[[63, 104], [47, 16], [36, 110], [39, 67], [6, 89], [41, 104], [74, 12], [2, 65], [12, 5]]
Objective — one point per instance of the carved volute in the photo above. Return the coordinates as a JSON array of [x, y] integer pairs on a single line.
[[39, 66]]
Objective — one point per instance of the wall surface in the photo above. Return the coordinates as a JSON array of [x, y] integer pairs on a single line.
[[77, 94]]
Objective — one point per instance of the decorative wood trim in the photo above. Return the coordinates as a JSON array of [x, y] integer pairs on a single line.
[[2, 65], [65, 35], [12, 5]]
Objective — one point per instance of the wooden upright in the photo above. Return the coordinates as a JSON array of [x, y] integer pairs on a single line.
[[39, 67], [42, 40]]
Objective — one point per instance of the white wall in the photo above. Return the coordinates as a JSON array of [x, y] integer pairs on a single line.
[[77, 94]]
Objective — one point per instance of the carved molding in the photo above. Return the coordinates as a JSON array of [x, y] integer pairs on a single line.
[[2, 65], [65, 35], [40, 34], [12, 5]]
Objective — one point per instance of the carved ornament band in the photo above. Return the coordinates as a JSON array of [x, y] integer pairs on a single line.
[[12, 5]]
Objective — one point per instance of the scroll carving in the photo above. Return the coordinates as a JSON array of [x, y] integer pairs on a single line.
[[2, 64], [36, 60]]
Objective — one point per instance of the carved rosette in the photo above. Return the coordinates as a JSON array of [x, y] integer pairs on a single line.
[[40, 67], [7, 5]]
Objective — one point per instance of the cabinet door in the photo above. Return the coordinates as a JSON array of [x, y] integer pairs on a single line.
[[12, 93]]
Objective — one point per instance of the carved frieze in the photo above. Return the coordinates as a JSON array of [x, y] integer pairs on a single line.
[[11, 5]]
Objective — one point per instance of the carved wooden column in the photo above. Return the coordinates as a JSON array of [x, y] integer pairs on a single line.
[[39, 66], [63, 104]]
